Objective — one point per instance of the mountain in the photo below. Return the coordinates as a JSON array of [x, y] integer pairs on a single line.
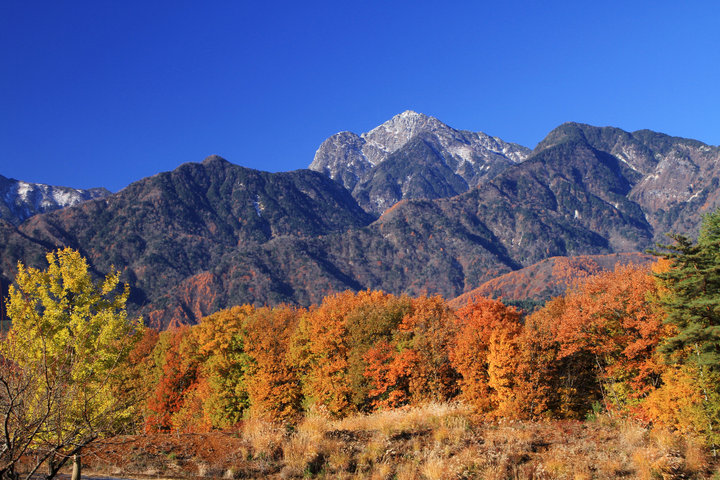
[[673, 180], [573, 196], [412, 156], [209, 235], [22, 200], [567, 199], [164, 229]]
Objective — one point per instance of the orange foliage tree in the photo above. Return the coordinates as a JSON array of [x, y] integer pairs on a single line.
[[485, 353], [273, 386], [413, 366], [541, 381], [549, 384], [331, 341], [610, 318], [597, 343]]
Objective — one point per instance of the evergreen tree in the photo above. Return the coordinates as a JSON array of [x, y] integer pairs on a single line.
[[693, 300]]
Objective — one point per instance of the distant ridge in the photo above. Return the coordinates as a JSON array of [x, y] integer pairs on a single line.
[[548, 278], [21, 200]]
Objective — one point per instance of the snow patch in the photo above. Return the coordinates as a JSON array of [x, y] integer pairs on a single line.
[[464, 152], [66, 197], [23, 190], [694, 195], [624, 158]]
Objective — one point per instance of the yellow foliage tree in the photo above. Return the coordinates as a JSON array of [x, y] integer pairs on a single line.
[[62, 361]]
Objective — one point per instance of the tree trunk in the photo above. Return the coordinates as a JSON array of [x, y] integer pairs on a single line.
[[51, 465], [77, 466]]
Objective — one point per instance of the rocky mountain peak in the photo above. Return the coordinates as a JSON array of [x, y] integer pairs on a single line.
[[396, 132], [413, 155], [210, 159], [21, 200]]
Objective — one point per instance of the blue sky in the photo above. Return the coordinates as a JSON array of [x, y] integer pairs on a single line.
[[103, 93]]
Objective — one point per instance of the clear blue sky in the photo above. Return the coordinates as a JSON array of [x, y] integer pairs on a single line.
[[105, 92]]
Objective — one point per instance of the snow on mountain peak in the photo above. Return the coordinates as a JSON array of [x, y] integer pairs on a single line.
[[21, 200], [474, 156]]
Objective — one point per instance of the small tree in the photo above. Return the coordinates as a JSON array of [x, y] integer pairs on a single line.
[[61, 363]]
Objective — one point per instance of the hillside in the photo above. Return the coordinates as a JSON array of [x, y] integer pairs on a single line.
[[166, 228], [548, 278], [435, 442]]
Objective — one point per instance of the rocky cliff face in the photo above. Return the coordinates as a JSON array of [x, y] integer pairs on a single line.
[[21, 200], [413, 156]]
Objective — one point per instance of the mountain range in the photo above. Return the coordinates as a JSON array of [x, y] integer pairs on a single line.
[[413, 206], [21, 200]]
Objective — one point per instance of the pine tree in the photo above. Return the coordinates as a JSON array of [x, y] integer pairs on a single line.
[[693, 302]]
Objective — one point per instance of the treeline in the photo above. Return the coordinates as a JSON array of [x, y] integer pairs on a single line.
[[594, 348], [634, 342]]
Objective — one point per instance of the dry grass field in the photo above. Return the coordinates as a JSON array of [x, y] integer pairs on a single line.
[[440, 441]]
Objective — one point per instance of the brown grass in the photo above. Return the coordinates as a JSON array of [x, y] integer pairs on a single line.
[[435, 442]]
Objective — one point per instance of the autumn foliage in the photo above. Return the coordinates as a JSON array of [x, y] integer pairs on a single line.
[[607, 345], [331, 343], [413, 365], [484, 352], [594, 348], [273, 384], [364, 351]]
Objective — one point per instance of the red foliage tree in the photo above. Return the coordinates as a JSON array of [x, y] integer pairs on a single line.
[[178, 373]]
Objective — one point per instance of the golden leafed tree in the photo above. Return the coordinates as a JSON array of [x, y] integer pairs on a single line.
[[62, 361]]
